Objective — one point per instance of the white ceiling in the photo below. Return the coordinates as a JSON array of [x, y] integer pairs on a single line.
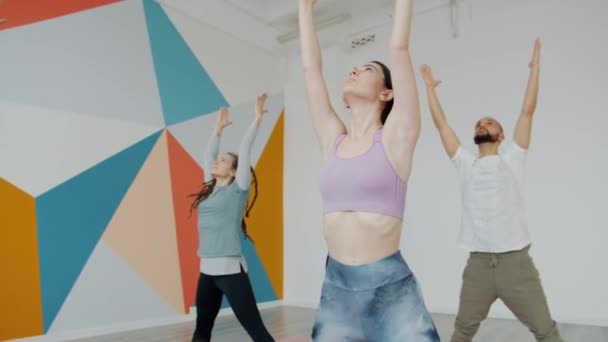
[[269, 23], [274, 12]]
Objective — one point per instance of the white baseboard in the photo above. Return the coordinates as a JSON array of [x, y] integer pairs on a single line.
[[228, 311], [300, 303], [135, 325]]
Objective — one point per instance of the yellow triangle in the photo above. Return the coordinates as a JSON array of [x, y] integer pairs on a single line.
[[265, 223], [21, 308]]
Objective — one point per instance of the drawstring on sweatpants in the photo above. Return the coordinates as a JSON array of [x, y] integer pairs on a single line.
[[494, 261]]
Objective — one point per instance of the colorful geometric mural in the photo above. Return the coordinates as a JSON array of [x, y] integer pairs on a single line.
[[266, 221], [141, 228], [185, 87], [98, 229], [23, 12], [21, 309], [186, 178], [73, 216]]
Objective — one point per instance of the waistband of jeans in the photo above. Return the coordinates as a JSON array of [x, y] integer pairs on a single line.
[[370, 276]]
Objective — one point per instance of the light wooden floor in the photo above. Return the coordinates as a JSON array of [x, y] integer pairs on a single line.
[[292, 321]]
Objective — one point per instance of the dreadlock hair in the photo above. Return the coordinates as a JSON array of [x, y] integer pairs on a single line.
[[208, 187]]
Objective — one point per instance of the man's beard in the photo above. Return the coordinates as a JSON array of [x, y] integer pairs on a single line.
[[485, 138]]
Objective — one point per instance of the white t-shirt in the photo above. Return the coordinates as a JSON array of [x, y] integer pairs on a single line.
[[223, 265], [493, 215]]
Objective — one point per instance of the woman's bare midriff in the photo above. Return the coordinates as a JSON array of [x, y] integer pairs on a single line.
[[357, 238]]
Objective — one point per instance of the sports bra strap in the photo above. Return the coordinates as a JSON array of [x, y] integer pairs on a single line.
[[338, 141], [378, 135]]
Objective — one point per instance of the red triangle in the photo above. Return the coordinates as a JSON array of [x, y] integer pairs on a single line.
[[23, 12], [186, 178]]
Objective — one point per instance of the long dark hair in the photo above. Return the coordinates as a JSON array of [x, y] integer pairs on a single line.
[[208, 187], [388, 83]]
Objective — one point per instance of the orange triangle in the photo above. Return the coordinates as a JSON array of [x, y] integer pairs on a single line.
[[265, 223], [24, 12], [142, 231], [186, 178], [21, 309]]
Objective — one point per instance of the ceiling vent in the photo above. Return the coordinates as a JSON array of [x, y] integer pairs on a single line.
[[360, 41]]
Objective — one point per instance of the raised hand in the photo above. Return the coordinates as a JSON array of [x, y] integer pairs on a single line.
[[222, 121], [308, 2], [259, 106], [448, 136], [523, 128], [536, 56], [427, 75]]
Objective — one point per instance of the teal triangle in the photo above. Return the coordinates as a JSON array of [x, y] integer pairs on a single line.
[[73, 216], [262, 287], [185, 87]]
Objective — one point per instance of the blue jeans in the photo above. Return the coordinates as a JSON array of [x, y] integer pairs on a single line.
[[380, 301]]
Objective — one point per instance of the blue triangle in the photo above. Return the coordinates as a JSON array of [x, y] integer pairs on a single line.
[[73, 216], [185, 88], [262, 288]]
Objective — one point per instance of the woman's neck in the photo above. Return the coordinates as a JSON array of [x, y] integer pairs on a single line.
[[364, 120], [223, 181]]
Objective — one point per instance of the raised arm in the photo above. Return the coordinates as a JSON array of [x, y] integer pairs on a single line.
[[523, 128], [402, 127], [213, 144], [448, 137], [325, 121], [243, 174]]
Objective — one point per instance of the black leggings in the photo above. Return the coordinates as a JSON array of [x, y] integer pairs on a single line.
[[237, 289]]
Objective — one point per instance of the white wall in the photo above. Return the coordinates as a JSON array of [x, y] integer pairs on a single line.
[[304, 248], [484, 72]]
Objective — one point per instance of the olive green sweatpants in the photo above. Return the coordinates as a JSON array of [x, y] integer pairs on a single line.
[[511, 277]]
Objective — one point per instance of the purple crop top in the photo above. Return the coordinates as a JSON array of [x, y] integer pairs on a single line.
[[365, 183]]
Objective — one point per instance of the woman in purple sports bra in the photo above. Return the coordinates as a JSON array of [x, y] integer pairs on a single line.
[[369, 292]]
